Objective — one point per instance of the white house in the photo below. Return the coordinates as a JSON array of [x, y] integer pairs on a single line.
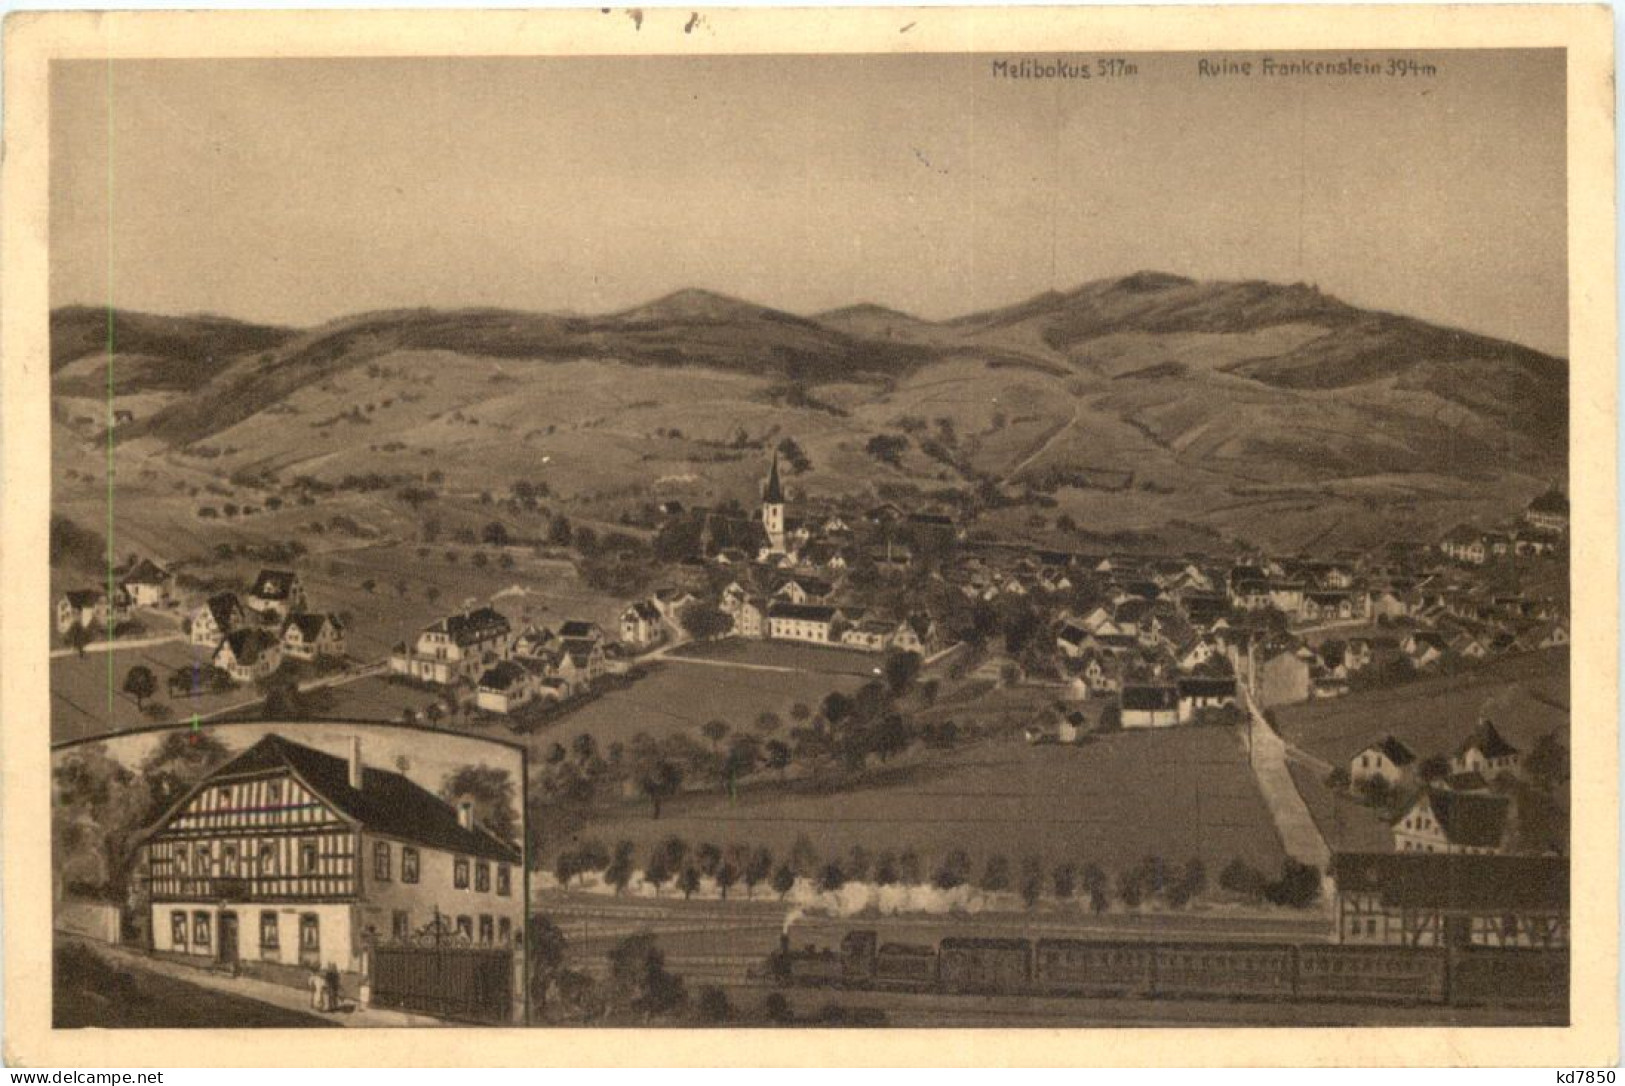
[[219, 615], [1486, 753], [1387, 759], [307, 636], [454, 649], [801, 622], [276, 592], [1453, 823], [248, 654]]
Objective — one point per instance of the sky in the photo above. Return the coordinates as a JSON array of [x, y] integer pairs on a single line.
[[299, 191]]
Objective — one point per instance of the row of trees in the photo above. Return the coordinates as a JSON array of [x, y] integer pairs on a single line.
[[747, 868]]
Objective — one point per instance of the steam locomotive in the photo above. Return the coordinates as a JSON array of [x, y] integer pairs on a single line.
[[1457, 976]]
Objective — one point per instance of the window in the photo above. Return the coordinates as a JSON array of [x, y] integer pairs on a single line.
[[228, 861], [205, 863], [487, 931], [310, 932], [200, 929], [504, 880], [482, 877], [267, 859], [459, 874], [307, 857], [268, 931], [273, 792], [504, 930], [1371, 926], [409, 864], [380, 861], [465, 927], [183, 859], [225, 797], [400, 924], [177, 928]]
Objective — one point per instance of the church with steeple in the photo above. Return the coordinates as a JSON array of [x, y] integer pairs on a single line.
[[773, 509]]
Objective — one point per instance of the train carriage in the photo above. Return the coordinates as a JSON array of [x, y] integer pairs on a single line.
[[1263, 971], [1078, 967], [906, 967], [1371, 974], [995, 966]]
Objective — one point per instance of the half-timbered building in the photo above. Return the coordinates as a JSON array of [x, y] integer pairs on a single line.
[[289, 856]]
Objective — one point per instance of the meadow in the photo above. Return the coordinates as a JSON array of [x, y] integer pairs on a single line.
[[1176, 794]]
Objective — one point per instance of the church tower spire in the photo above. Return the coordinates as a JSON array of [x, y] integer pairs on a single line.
[[773, 507]]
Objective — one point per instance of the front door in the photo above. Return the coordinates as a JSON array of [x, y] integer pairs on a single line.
[[228, 938]]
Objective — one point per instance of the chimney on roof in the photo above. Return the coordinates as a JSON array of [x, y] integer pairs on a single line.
[[355, 762], [465, 815]]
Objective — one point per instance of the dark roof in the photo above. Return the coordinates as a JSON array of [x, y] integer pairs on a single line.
[[643, 609], [310, 624], [480, 624], [774, 494], [146, 572], [502, 676], [1150, 698], [578, 649], [386, 803], [1488, 741], [1395, 751], [1477, 821], [805, 612], [579, 628], [1552, 501], [273, 584], [1455, 881], [224, 608], [83, 597], [1466, 782], [247, 643], [1204, 687]]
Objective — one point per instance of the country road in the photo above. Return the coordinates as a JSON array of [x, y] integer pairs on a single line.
[[1043, 447], [1267, 755]]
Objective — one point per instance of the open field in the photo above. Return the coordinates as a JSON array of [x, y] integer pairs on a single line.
[[784, 654], [80, 701], [682, 697], [1526, 695], [1176, 794]]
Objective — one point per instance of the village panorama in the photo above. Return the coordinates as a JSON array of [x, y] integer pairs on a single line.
[[1155, 652]]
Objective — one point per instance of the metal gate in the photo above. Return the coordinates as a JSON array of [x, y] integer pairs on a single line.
[[474, 983]]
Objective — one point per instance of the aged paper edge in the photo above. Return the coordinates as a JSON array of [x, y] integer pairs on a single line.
[[32, 40]]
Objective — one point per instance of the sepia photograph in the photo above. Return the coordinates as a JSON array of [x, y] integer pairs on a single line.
[[957, 538]]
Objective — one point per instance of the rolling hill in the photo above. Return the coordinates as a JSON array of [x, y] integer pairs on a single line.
[[1274, 413]]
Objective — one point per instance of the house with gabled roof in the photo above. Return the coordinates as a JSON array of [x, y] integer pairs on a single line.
[[289, 856], [313, 635], [1420, 899], [1485, 751], [1149, 706], [641, 624], [147, 583], [248, 654], [1442, 821], [455, 649], [1387, 759], [218, 616], [277, 592]]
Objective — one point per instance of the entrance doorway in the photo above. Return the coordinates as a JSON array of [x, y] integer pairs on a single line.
[[228, 938]]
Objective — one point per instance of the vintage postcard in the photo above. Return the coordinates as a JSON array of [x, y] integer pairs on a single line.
[[1034, 533]]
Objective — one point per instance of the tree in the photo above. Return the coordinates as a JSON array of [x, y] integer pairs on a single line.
[[886, 873], [1094, 881], [784, 880], [858, 863], [954, 870], [676, 850], [638, 980], [910, 869], [793, 454], [768, 722], [565, 867], [800, 713], [544, 953], [688, 880], [1298, 887], [1065, 880], [592, 856], [757, 869], [709, 858], [713, 1006], [1240, 877], [1435, 767], [778, 756], [619, 872], [716, 731], [140, 684], [776, 1009], [491, 790], [659, 782], [77, 637], [887, 448], [584, 747], [726, 876], [1032, 880], [703, 622], [657, 871], [996, 875], [901, 668], [832, 877], [804, 856], [495, 534]]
